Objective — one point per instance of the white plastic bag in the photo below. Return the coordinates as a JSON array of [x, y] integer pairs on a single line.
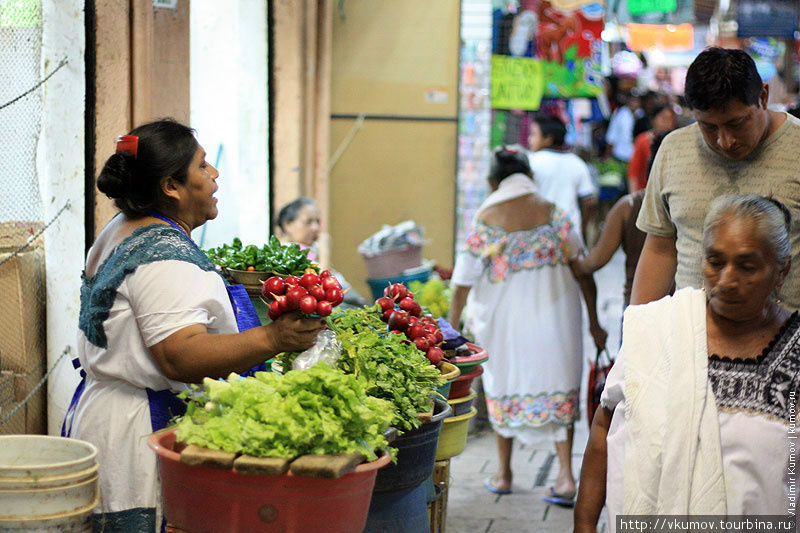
[[327, 349]]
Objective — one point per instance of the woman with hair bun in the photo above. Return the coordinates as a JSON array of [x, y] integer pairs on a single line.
[[156, 315], [517, 274]]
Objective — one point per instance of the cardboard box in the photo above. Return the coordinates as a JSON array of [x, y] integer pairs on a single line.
[[22, 311], [31, 417], [16, 233]]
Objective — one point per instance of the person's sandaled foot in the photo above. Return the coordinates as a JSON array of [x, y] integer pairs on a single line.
[[564, 500], [491, 487]]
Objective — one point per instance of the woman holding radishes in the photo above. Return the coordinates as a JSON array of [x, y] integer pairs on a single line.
[[156, 315], [516, 274]]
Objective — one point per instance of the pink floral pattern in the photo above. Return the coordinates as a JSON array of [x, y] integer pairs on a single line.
[[535, 411], [507, 252]]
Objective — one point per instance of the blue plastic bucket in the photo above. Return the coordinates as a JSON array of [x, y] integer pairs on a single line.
[[416, 454], [402, 511], [377, 285]]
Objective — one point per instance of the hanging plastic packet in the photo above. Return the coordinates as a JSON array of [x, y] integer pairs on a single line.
[[327, 349]]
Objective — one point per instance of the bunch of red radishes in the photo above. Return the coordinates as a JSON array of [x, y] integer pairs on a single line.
[[403, 314], [312, 294]]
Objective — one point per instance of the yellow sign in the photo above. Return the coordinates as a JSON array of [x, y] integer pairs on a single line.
[[517, 82]]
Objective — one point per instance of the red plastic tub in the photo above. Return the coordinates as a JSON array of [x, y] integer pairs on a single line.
[[213, 500], [461, 386], [467, 363]]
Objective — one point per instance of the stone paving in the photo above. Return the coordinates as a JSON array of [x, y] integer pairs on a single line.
[[473, 509]]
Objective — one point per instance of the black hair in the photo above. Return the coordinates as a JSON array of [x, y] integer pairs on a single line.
[[658, 108], [719, 75], [553, 127], [291, 211], [654, 146], [507, 160], [166, 148]]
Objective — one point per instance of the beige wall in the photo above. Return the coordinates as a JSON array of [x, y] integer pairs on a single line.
[[136, 80], [400, 59]]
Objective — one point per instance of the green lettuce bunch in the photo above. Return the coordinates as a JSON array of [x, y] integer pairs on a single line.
[[314, 411]]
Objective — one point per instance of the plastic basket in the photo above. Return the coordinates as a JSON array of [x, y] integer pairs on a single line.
[[378, 285], [393, 262]]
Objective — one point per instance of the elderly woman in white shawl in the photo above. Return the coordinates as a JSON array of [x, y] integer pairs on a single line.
[[704, 394]]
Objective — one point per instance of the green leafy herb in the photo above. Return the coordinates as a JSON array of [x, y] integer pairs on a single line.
[[274, 257], [394, 369], [315, 411]]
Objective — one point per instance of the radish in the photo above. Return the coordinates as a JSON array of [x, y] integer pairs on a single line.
[[292, 280], [386, 314], [398, 320], [282, 303], [434, 355], [308, 280], [385, 303], [422, 344], [273, 285], [308, 304], [293, 296], [324, 308], [334, 296], [395, 291], [410, 305], [330, 283], [317, 292], [325, 274], [416, 331], [274, 311]]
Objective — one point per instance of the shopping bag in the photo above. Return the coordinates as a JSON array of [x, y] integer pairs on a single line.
[[598, 371]]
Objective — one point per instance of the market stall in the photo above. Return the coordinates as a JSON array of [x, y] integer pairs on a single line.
[[355, 418]]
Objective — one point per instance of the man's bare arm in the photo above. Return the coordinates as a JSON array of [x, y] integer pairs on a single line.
[[655, 270]]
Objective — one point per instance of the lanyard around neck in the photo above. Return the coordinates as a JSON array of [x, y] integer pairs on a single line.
[[170, 222]]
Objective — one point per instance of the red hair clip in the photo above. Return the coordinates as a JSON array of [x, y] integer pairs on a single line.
[[129, 144]]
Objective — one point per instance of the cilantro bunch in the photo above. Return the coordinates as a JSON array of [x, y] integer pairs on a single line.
[[315, 411], [394, 369]]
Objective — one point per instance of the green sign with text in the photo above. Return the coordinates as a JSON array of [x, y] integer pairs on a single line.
[[517, 82]]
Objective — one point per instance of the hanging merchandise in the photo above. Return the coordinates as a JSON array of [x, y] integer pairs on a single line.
[[664, 37], [637, 7], [766, 52], [569, 44]]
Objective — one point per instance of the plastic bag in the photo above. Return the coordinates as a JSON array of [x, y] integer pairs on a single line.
[[327, 349]]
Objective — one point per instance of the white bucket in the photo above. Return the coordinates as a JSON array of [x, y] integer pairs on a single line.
[[47, 483]]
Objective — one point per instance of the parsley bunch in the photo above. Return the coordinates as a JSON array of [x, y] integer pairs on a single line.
[[394, 369]]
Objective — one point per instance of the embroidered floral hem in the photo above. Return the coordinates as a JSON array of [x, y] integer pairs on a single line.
[[528, 410]]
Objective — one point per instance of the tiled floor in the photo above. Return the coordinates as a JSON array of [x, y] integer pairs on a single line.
[[472, 509]]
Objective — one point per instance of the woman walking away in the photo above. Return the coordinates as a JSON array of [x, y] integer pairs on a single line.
[[706, 378], [515, 273]]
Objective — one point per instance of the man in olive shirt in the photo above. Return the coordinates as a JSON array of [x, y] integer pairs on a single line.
[[737, 146]]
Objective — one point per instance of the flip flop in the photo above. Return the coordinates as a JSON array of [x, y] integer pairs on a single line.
[[559, 499], [494, 490]]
